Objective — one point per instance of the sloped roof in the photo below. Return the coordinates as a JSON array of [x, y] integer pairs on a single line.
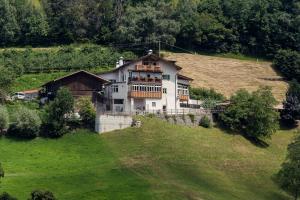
[[102, 80], [152, 56], [180, 76]]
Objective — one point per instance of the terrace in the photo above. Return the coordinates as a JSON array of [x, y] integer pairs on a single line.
[[145, 91], [145, 77]]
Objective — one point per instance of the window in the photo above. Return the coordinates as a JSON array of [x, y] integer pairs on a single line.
[[166, 76], [115, 88], [118, 101], [165, 90], [153, 104]]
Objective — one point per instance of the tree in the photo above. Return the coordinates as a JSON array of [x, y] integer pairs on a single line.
[[291, 106], [7, 78], [42, 195], [252, 113], [25, 124], [288, 63], [87, 112], [4, 119], [56, 113], [9, 28], [288, 177], [205, 122], [145, 23], [34, 25]]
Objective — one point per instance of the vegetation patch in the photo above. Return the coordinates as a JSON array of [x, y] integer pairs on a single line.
[[161, 161]]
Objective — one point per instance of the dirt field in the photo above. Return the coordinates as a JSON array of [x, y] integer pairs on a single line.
[[227, 75]]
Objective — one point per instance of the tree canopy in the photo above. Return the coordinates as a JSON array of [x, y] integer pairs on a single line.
[[288, 177], [246, 26], [252, 114]]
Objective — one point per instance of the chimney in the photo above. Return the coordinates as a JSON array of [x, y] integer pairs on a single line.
[[117, 65], [150, 51], [121, 61]]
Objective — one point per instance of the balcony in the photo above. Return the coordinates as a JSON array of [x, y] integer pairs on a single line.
[[148, 68], [183, 97], [145, 94], [144, 80]]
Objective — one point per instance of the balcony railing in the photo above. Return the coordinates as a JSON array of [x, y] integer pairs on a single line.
[[148, 68], [146, 80], [183, 97], [145, 94]]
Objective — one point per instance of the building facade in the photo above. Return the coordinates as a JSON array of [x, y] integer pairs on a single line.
[[80, 83], [149, 83]]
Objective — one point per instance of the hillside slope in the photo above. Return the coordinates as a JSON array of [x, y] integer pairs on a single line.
[[227, 75], [170, 162]]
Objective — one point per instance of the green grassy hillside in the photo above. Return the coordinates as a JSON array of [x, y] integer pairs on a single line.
[[157, 161]]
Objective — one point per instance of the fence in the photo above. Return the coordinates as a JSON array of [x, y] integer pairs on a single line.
[[185, 111]]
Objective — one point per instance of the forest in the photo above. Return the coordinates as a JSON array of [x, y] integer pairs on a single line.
[[251, 27]]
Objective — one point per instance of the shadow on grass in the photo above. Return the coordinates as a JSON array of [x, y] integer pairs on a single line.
[[17, 139], [255, 141]]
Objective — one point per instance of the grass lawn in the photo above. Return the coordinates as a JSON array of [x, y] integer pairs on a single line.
[[34, 81], [157, 161]]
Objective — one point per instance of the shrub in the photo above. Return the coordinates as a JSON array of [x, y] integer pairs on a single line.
[[253, 114], [26, 124], [150, 115], [55, 116], [204, 94], [192, 117], [6, 196], [174, 118], [167, 117], [4, 119], [42, 195], [291, 106], [87, 112], [209, 103], [183, 117], [205, 122], [288, 178]]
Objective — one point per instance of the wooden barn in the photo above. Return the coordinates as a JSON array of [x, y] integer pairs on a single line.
[[81, 83]]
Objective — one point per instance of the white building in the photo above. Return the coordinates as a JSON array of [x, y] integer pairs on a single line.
[[149, 83]]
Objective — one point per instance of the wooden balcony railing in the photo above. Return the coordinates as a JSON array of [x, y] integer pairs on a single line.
[[144, 94], [183, 97], [148, 68], [140, 79]]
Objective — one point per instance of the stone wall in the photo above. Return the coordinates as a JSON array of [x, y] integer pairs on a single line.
[[188, 120], [106, 123]]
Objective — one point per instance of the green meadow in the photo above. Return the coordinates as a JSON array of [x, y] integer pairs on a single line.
[[157, 161]]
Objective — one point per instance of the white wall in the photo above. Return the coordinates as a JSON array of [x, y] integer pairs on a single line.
[[149, 105], [106, 123], [169, 99]]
